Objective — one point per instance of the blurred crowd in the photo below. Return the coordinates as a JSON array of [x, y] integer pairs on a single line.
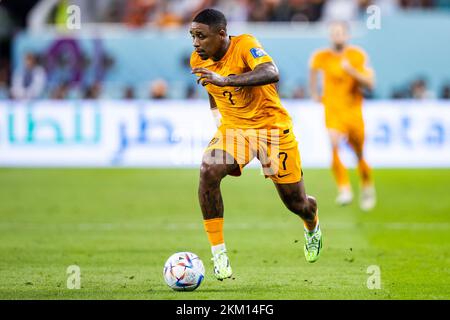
[[418, 89], [173, 13], [41, 78]]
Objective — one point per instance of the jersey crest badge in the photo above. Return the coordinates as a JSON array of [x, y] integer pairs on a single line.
[[258, 52]]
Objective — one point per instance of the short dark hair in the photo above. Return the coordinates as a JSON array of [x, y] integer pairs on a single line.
[[211, 17]]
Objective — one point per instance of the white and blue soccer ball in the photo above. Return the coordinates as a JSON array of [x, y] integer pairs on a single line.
[[184, 271]]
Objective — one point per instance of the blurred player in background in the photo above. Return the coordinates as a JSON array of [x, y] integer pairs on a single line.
[[345, 76], [240, 79]]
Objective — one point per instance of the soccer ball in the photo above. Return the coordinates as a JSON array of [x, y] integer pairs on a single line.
[[184, 271]]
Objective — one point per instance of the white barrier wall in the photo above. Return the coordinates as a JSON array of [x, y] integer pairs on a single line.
[[174, 133]]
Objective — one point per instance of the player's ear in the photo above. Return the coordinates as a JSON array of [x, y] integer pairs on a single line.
[[223, 33]]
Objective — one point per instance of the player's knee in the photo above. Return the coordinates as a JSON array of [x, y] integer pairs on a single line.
[[210, 173], [335, 150], [359, 154], [335, 142]]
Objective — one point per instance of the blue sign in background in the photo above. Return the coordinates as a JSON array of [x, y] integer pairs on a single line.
[[175, 133]]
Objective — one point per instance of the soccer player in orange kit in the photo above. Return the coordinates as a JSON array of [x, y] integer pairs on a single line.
[[240, 78], [345, 76]]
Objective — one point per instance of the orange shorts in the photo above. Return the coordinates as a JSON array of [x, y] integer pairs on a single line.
[[277, 151], [353, 131]]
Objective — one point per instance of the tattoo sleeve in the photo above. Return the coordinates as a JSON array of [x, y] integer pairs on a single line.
[[265, 73]]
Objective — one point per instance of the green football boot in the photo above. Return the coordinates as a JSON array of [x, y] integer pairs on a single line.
[[222, 267], [313, 245]]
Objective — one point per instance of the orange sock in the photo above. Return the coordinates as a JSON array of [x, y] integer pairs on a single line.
[[364, 173], [339, 170], [214, 230]]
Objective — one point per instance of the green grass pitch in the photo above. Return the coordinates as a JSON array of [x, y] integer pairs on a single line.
[[120, 225]]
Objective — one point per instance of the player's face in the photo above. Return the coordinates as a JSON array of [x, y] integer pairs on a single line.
[[206, 40], [338, 35]]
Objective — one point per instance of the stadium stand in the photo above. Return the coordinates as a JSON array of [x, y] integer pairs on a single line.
[[115, 56]]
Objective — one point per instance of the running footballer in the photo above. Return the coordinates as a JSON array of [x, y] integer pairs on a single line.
[[346, 74], [240, 79]]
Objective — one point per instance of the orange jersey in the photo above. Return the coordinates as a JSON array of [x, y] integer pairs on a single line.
[[342, 96], [244, 107]]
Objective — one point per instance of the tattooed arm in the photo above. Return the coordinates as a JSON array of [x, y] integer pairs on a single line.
[[264, 73]]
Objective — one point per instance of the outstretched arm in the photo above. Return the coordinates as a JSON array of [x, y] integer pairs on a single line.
[[264, 73]]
